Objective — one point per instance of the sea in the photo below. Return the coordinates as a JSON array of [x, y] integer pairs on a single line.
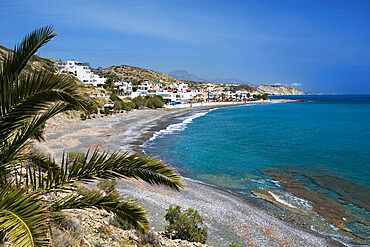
[[309, 158]]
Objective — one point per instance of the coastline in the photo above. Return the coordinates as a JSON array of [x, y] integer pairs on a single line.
[[229, 217]]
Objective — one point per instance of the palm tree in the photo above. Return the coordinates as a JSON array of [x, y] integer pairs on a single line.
[[27, 101]]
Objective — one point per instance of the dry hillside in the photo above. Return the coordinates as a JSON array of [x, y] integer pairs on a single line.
[[135, 75]]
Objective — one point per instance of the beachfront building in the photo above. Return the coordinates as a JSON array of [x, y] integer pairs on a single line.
[[244, 94], [82, 71], [149, 88], [168, 96], [123, 86]]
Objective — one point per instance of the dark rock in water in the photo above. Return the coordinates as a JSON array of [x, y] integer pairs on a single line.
[[332, 211]]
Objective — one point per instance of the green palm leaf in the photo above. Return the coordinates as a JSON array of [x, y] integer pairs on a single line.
[[16, 60], [128, 210], [100, 166], [23, 217]]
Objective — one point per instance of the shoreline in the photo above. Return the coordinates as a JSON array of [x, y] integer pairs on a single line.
[[228, 216]]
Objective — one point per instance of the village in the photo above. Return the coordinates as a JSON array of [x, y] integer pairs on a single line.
[[174, 94]]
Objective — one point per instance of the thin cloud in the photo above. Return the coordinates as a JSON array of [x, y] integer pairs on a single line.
[[296, 84]]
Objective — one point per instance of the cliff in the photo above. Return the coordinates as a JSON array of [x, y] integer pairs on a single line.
[[278, 90]]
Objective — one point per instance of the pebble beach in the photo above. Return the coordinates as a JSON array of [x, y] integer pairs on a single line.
[[228, 217]]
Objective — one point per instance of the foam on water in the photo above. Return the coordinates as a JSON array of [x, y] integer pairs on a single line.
[[177, 127], [290, 200]]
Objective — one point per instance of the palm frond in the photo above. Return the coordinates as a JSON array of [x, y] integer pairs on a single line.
[[13, 144], [23, 217], [38, 93], [128, 210], [31, 43], [101, 166]]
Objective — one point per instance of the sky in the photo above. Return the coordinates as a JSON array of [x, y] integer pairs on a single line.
[[315, 46]]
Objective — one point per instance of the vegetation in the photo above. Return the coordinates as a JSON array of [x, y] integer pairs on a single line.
[[259, 96], [234, 245], [186, 225], [27, 179], [83, 116], [154, 102], [139, 102]]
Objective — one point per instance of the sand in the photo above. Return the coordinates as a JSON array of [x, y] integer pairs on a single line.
[[228, 217]]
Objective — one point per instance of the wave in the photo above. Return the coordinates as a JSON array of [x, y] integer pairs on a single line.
[[290, 200], [178, 127]]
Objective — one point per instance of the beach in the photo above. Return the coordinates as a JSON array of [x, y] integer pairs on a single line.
[[228, 217]]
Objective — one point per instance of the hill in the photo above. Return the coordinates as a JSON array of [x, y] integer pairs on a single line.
[[135, 75], [36, 62], [278, 89]]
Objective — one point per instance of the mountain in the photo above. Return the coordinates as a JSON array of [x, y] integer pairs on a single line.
[[187, 76], [184, 75], [135, 75]]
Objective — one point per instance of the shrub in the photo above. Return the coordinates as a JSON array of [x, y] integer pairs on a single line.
[[129, 106], [150, 238], [108, 185], [234, 245], [92, 110], [114, 97], [118, 105], [106, 110], [154, 102], [83, 116], [186, 225], [101, 111], [265, 97], [139, 102]]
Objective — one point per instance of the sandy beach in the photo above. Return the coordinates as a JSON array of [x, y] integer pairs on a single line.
[[228, 217]]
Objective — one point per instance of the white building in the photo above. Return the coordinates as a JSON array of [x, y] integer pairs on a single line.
[[83, 73], [126, 87]]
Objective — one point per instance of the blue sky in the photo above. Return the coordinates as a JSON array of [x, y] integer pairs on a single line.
[[320, 46]]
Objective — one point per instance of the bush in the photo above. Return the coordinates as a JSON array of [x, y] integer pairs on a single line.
[[265, 97], [150, 238], [108, 185], [139, 102], [129, 106], [83, 116], [154, 102], [102, 111], [118, 105], [234, 245], [106, 110], [114, 97], [186, 225], [92, 110]]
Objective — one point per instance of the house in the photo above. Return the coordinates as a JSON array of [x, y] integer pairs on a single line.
[[126, 87], [82, 71]]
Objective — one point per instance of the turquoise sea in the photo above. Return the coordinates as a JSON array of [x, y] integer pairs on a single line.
[[312, 156]]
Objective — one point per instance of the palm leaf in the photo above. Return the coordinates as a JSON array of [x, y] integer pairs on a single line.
[[16, 60], [101, 166], [128, 210], [23, 217], [38, 93]]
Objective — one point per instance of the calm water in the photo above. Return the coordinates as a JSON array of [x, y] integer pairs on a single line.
[[234, 148]]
